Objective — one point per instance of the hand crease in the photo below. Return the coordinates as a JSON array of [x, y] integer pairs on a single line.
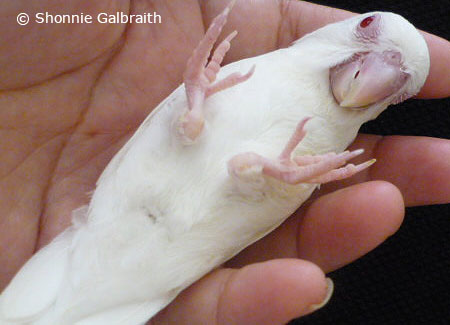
[[219, 300], [283, 21], [76, 125], [28, 155]]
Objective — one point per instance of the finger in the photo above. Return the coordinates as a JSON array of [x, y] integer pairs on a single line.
[[345, 225], [276, 24], [336, 229], [272, 292], [437, 83], [418, 166]]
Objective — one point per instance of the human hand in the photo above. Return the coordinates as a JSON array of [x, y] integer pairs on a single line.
[[76, 100]]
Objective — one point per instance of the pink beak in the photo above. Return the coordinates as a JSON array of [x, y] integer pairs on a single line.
[[367, 79]]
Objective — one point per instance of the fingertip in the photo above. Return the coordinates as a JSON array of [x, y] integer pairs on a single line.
[[386, 202], [344, 225], [328, 295], [419, 168], [393, 207], [272, 292]]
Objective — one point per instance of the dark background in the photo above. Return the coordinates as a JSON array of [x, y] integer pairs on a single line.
[[406, 279]]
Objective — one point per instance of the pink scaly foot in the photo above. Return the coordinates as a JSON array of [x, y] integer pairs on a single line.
[[302, 169], [200, 75]]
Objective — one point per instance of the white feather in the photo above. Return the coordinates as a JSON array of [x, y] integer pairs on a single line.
[[164, 214], [37, 284]]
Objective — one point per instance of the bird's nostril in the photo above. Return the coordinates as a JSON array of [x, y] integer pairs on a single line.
[[393, 57]]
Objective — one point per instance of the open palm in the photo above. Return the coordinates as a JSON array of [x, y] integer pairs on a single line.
[[73, 94]]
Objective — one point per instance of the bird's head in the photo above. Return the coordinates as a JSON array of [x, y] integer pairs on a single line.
[[389, 63], [375, 59]]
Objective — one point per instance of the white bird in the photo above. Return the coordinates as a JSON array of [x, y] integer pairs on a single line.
[[215, 167]]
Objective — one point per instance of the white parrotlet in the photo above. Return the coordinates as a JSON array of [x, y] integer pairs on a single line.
[[221, 162]]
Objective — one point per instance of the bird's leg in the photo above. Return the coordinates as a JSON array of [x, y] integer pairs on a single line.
[[200, 75], [302, 169]]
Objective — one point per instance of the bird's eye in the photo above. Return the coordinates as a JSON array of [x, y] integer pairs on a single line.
[[366, 21]]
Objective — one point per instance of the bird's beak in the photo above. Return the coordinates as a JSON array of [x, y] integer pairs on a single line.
[[367, 78]]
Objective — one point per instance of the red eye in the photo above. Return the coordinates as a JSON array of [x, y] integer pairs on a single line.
[[366, 22]]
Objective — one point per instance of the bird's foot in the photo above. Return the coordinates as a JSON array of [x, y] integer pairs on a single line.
[[246, 167], [200, 76]]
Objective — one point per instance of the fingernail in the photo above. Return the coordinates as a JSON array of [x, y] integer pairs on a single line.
[[330, 288]]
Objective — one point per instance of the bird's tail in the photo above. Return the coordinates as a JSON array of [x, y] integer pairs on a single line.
[[35, 287]]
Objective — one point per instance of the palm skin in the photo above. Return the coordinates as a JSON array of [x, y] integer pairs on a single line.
[[73, 94]]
